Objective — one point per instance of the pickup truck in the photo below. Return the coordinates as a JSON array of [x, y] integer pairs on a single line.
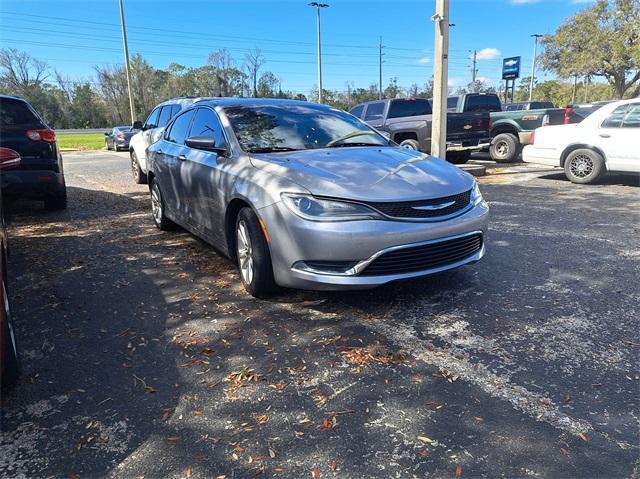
[[510, 130], [408, 123]]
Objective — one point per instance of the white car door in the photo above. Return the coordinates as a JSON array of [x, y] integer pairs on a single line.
[[619, 138]]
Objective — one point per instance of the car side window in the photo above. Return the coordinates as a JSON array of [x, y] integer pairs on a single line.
[[179, 128], [357, 111], [165, 116], [206, 124], [152, 121], [615, 119], [374, 111], [476, 103], [632, 119]]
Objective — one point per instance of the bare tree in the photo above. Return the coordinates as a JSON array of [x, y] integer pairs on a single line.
[[254, 60], [19, 71]]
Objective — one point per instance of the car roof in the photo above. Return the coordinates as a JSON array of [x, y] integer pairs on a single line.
[[249, 102], [11, 97]]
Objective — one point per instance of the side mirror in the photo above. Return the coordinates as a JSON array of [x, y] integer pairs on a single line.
[[8, 158], [205, 143], [137, 125]]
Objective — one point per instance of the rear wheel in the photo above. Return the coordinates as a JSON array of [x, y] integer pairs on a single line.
[[458, 157], [157, 208], [252, 252], [138, 175], [10, 359], [57, 201], [504, 148], [584, 166], [410, 144]]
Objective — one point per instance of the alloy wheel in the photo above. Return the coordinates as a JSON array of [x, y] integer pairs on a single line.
[[581, 166], [245, 252], [156, 203]]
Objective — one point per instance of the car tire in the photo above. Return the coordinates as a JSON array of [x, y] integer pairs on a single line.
[[138, 175], [11, 359], [458, 157], [253, 255], [504, 148], [158, 209], [410, 144], [584, 166], [57, 201]]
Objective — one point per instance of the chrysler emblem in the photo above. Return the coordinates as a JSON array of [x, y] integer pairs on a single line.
[[440, 206], [467, 127]]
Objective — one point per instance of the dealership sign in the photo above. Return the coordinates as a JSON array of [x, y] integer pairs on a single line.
[[511, 68]]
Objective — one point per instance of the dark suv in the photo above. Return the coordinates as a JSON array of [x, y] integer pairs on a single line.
[[40, 174]]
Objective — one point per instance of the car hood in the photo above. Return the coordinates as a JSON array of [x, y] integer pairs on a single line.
[[366, 173]]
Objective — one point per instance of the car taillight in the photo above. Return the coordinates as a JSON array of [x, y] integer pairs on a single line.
[[490, 124], [532, 138], [42, 135], [568, 113]]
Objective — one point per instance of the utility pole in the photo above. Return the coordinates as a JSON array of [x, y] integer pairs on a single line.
[[380, 85], [318, 6], [440, 79], [533, 67], [126, 62], [474, 72]]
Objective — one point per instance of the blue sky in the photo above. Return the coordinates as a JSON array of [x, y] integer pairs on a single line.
[[79, 34]]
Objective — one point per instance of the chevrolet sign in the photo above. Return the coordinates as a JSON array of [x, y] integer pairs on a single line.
[[511, 68]]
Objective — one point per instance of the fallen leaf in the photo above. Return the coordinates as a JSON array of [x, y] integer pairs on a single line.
[[173, 438], [188, 472], [315, 473], [458, 471], [425, 439], [564, 451], [262, 419], [272, 453], [329, 423], [582, 436], [334, 466]]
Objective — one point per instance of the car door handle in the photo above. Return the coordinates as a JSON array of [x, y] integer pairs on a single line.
[[182, 158], [605, 135]]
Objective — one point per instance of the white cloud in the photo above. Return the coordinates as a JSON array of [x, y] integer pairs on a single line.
[[424, 60], [489, 54], [457, 81]]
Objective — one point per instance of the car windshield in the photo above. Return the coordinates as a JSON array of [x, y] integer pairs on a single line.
[[264, 128]]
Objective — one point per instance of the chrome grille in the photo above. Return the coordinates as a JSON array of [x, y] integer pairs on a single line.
[[422, 208]]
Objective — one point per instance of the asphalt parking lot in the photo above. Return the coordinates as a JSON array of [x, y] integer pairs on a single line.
[[144, 357]]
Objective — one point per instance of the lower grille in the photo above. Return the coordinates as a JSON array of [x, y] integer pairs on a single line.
[[331, 266], [425, 257]]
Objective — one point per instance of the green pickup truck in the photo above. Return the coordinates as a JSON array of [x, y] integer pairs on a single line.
[[510, 130]]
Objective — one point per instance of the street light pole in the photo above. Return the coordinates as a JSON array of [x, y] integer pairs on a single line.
[[440, 79], [533, 67], [318, 6], [380, 80], [126, 62]]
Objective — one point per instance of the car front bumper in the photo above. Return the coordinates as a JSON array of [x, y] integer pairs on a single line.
[[294, 241]]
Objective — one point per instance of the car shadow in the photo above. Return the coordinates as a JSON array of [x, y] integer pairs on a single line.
[[620, 179]]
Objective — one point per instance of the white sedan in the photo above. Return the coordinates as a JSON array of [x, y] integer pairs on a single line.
[[607, 140]]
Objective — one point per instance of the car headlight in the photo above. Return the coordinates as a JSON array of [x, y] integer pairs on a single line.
[[476, 196], [317, 209]]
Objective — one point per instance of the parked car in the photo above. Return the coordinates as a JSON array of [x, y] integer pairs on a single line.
[[510, 130], [306, 196], [9, 359], [118, 137], [40, 174], [408, 122], [527, 105], [150, 131], [607, 140], [578, 112]]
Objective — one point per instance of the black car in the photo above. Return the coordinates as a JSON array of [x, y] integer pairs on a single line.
[[40, 174], [9, 360], [118, 137]]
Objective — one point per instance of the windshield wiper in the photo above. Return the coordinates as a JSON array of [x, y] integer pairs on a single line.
[[271, 149], [345, 145]]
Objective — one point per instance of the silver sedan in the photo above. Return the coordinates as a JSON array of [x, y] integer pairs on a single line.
[[306, 196]]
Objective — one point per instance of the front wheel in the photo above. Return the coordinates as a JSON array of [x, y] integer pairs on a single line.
[[410, 144], [584, 166], [157, 208], [504, 148], [254, 258]]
